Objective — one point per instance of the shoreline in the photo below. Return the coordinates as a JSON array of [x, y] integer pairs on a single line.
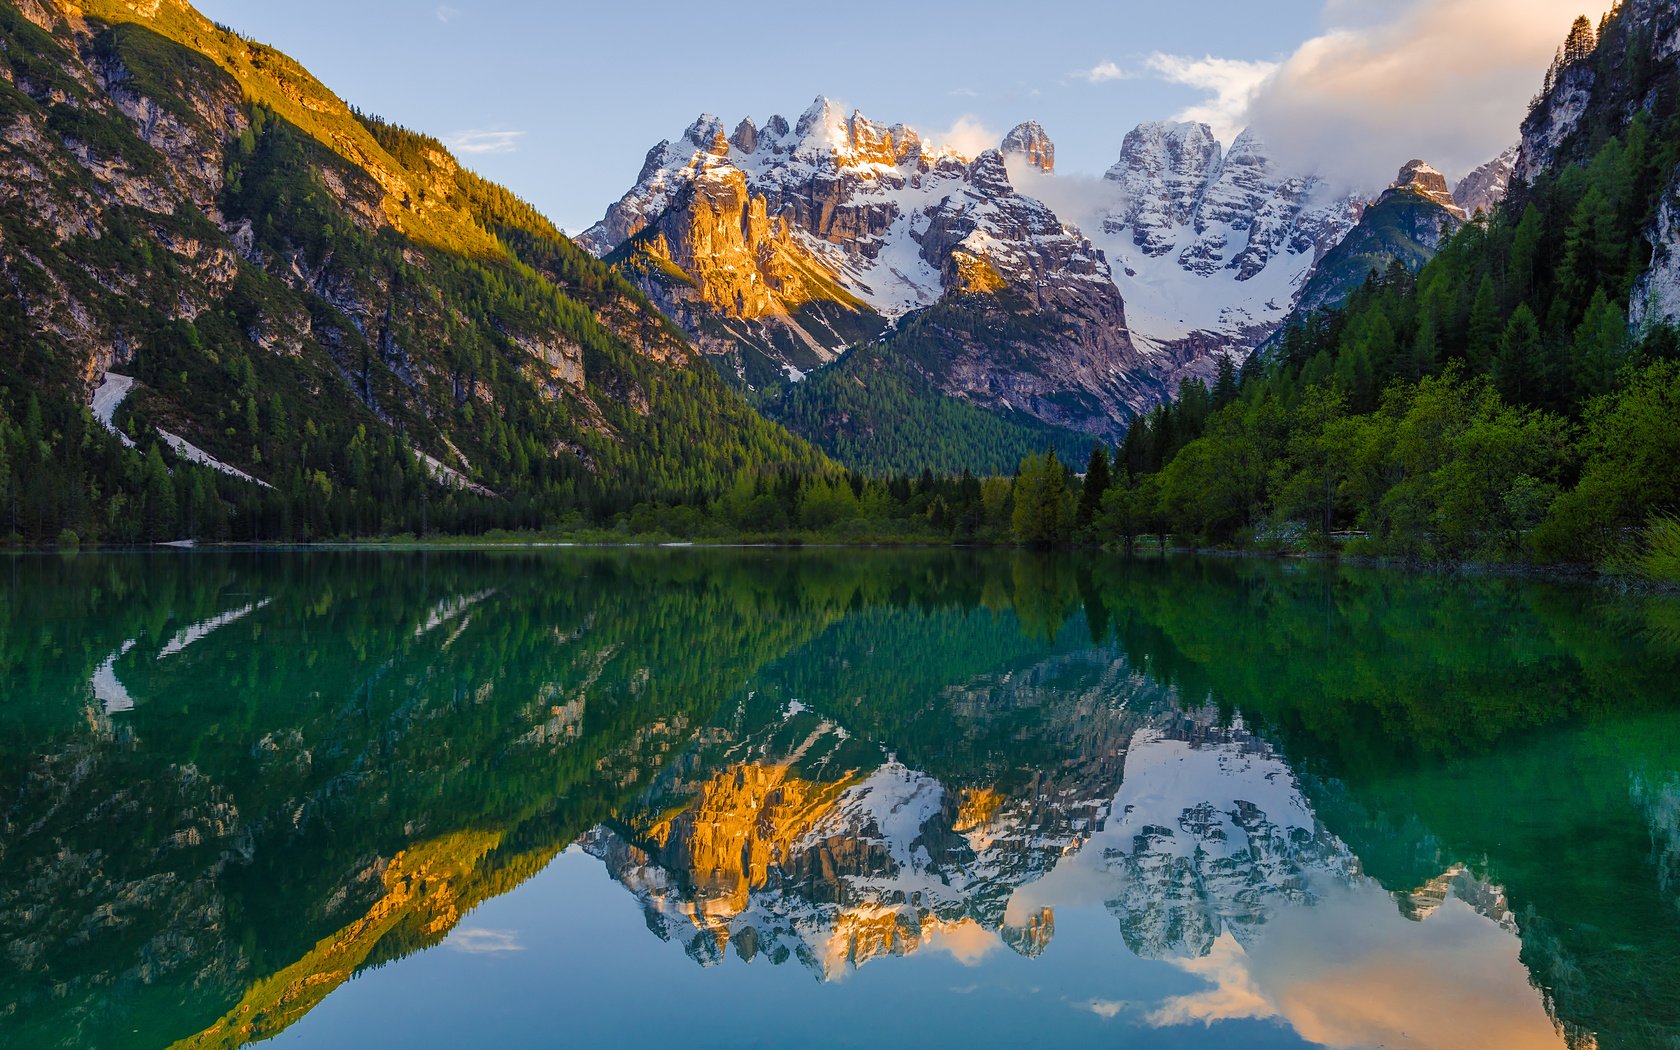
[[1568, 573]]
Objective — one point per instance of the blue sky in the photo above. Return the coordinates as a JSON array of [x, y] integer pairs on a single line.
[[560, 101]]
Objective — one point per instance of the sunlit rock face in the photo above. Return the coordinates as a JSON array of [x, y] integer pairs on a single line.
[[1421, 178], [778, 246], [1030, 142]]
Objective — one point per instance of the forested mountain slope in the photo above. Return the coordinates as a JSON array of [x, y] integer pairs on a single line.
[[310, 298]]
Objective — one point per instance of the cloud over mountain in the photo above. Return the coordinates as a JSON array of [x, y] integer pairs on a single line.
[[1449, 80]]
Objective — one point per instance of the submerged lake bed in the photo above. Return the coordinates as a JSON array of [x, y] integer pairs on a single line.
[[840, 798]]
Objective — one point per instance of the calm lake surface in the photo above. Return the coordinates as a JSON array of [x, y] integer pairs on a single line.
[[830, 799]]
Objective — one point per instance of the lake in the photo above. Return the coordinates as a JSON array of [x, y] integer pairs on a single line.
[[831, 798]]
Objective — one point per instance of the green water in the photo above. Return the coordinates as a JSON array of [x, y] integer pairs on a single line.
[[830, 798]]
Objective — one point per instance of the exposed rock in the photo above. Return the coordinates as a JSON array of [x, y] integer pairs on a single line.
[[790, 245], [1483, 189], [1422, 179], [1029, 142]]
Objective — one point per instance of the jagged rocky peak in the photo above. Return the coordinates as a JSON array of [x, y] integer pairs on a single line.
[[990, 175], [1029, 142], [1211, 246], [1422, 179], [1185, 148], [1485, 187], [745, 138], [1160, 174], [706, 132], [854, 139]]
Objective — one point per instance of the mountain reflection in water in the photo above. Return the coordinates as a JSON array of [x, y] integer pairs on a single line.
[[1201, 801]]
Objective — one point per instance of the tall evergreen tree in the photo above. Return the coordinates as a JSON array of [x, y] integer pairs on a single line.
[[1097, 481], [1225, 384], [1485, 327]]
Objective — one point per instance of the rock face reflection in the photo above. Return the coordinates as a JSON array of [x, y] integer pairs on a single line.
[[231, 783]]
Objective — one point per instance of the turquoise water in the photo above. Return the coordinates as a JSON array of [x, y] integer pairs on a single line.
[[830, 798]]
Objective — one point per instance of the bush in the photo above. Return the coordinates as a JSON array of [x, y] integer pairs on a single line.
[[1660, 558]]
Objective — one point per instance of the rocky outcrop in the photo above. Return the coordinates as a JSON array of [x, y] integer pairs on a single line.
[[1029, 142], [1656, 294], [1551, 124], [1597, 88], [1483, 189], [1421, 178]]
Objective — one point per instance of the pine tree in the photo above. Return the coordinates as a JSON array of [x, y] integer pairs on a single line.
[[1600, 349], [1581, 42], [1517, 368], [1097, 481], [159, 495], [1525, 255], [1044, 505], [1225, 384], [1483, 342]]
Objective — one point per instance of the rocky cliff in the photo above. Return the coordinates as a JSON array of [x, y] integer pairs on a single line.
[[1627, 69], [1481, 191]]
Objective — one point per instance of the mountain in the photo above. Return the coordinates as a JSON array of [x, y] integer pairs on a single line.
[[1211, 246], [1405, 225], [309, 298], [778, 247], [1006, 307]]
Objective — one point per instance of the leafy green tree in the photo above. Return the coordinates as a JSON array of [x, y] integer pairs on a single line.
[[1631, 448]]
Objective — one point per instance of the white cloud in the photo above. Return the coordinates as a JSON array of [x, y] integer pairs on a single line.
[[473, 143], [1103, 72], [475, 940], [445, 13], [1389, 80], [1107, 1009], [963, 92], [1232, 995], [1229, 83], [966, 941], [968, 136]]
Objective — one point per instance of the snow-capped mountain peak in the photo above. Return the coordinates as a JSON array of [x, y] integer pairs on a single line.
[[1211, 246]]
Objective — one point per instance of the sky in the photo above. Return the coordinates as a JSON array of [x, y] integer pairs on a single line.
[[560, 101]]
